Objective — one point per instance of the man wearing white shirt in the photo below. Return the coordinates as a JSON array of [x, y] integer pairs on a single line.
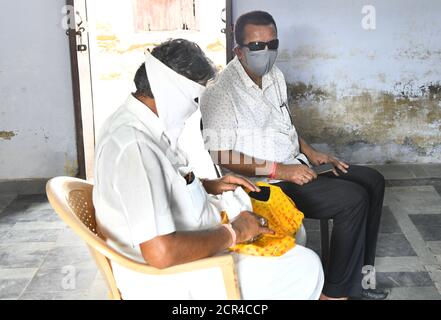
[[151, 207], [248, 128]]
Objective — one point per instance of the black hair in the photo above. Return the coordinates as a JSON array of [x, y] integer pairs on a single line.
[[184, 57], [259, 18]]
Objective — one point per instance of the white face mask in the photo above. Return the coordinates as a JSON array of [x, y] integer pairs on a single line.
[[174, 96]]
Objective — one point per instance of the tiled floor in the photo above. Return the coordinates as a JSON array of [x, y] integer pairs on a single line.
[[41, 258]]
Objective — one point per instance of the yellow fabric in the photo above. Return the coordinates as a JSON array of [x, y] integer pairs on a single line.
[[283, 217]]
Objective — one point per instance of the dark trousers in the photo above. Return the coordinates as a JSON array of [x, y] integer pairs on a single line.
[[354, 202]]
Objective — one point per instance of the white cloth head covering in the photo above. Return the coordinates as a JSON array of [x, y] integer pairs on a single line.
[[174, 95]]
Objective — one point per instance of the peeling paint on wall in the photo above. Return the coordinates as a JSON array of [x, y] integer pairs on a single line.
[[7, 135], [371, 127]]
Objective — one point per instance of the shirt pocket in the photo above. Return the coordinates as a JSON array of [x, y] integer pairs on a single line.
[[198, 198]]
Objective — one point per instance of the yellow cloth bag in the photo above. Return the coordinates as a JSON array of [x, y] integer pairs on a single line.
[[283, 217]]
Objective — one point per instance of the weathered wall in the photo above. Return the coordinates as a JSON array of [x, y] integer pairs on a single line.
[[37, 130], [370, 96]]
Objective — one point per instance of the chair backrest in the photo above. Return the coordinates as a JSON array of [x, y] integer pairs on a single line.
[[71, 198]]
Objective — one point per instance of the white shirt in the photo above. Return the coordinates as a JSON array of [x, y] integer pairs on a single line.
[[139, 193], [238, 115]]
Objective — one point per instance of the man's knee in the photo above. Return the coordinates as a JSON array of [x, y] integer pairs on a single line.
[[356, 197], [379, 180], [375, 179]]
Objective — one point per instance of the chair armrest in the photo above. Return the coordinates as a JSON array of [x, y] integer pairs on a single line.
[[224, 262]]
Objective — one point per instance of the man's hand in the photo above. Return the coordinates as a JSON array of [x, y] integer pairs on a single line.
[[298, 173], [247, 226], [228, 183], [318, 158]]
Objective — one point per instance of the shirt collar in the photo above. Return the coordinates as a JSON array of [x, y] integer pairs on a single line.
[[267, 79], [146, 116]]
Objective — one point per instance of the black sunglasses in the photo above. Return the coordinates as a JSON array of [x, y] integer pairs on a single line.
[[260, 45]]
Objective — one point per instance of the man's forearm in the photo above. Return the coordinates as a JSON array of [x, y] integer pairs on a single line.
[[241, 163], [305, 148], [182, 247]]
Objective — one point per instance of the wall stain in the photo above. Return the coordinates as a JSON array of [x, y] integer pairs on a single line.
[[311, 52], [7, 135], [110, 76], [407, 120], [70, 167], [418, 53], [216, 46]]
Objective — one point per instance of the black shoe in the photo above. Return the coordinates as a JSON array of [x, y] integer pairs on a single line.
[[374, 294]]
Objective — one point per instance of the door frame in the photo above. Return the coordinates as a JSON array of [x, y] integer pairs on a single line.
[[82, 92], [229, 30]]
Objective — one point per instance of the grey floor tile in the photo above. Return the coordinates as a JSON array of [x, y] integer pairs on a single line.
[[61, 280], [435, 273], [99, 289], [34, 186], [14, 281], [433, 170], [395, 171], [388, 222], [3, 232], [418, 171], [13, 211], [32, 235], [414, 293], [77, 256], [398, 264], [68, 238], [98, 294], [435, 247], [23, 186], [428, 225], [60, 295], [438, 188], [12, 288], [36, 202], [438, 286], [10, 186], [393, 245], [32, 198], [37, 295], [426, 219], [430, 233], [414, 199], [404, 279], [44, 215], [33, 225], [30, 255], [311, 224], [5, 200], [73, 295]]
